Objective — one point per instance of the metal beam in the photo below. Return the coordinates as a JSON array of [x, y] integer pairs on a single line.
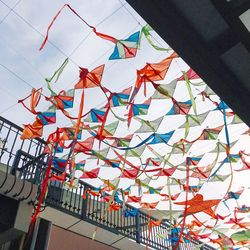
[[170, 23]]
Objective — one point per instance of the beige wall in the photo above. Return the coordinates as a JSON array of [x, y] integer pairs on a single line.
[[61, 239]]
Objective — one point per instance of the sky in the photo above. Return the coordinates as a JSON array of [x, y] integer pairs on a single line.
[[23, 25], [22, 30]]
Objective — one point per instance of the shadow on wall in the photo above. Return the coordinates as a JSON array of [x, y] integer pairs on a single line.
[[65, 240]]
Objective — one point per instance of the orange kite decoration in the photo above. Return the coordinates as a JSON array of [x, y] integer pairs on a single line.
[[197, 204], [152, 72]]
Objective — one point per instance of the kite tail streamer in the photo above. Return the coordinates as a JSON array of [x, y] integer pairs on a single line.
[[146, 31], [185, 209], [227, 147], [35, 97], [186, 127], [50, 25], [42, 194], [58, 72], [125, 161], [226, 130], [79, 116], [190, 92], [105, 119], [139, 187], [104, 36], [95, 232], [68, 115], [176, 103], [144, 88], [54, 19], [170, 201], [56, 75], [243, 153], [130, 113], [228, 156]]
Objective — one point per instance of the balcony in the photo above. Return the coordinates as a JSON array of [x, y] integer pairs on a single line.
[[77, 209]]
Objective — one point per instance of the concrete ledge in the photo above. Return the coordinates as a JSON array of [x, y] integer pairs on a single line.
[[13, 186]]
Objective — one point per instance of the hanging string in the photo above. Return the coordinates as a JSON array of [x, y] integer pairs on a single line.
[[185, 208]]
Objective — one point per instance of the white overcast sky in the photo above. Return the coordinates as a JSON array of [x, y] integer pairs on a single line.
[[24, 23]]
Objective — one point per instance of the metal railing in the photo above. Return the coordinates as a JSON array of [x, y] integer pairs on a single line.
[[25, 160], [10, 143], [10, 147]]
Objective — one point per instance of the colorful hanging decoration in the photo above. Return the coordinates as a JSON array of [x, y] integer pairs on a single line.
[[90, 79], [138, 109], [47, 117], [96, 115], [146, 32], [120, 99], [152, 72], [125, 48], [197, 204], [56, 76], [31, 131], [34, 97], [64, 100], [153, 151]]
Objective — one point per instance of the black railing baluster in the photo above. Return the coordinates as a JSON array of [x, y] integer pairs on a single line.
[[114, 217], [92, 206], [75, 198], [80, 198], [5, 140], [131, 226], [70, 200], [142, 228], [7, 167], [85, 202], [89, 206], [95, 204], [117, 216], [101, 210], [61, 196], [39, 148], [106, 215], [29, 147], [22, 143], [97, 210], [111, 218], [1, 126], [11, 150], [65, 198]]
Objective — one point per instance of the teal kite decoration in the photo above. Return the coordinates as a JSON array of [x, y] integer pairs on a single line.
[[59, 163], [126, 48], [120, 99], [48, 117], [96, 115], [180, 108]]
